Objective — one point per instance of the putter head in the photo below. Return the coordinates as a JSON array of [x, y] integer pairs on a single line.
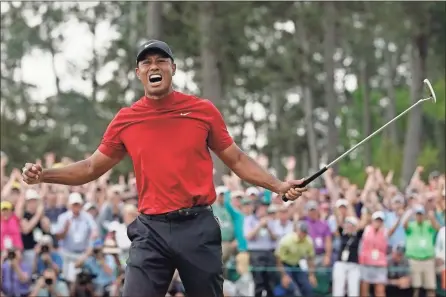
[[431, 90]]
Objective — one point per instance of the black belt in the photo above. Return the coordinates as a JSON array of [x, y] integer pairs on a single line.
[[179, 215]]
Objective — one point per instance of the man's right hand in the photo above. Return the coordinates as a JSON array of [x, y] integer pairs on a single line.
[[32, 173]]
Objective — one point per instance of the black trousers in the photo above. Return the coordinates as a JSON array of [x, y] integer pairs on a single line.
[[263, 280], [192, 246]]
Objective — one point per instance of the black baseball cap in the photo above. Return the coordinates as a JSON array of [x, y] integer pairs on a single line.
[[152, 45]]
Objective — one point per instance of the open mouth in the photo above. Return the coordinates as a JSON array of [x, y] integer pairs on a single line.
[[155, 79]]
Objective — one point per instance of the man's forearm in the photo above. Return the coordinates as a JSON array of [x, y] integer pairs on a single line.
[[75, 174], [248, 170]]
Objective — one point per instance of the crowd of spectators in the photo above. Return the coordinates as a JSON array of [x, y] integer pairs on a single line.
[[336, 240]]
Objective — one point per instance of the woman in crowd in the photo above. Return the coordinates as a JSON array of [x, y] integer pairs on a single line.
[[346, 269], [373, 256]]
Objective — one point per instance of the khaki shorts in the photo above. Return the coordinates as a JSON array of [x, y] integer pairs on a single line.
[[422, 274]]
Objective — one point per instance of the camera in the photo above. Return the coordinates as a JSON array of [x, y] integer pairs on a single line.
[[48, 281], [11, 255], [85, 277], [44, 249]]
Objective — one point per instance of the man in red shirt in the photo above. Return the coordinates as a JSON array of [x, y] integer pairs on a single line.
[[168, 135]]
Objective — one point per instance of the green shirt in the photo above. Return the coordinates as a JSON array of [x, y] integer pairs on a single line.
[[290, 250], [226, 225], [420, 240]]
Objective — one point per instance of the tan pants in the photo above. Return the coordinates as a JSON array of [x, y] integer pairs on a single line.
[[422, 274], [227, 250]]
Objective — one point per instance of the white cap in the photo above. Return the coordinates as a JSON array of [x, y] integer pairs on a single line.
[[351, 220], [89, 206], [341, 202], [113, 226], [46, 240], [31, 194], [378, 215], [237, 194], [221, 190], [75, 198], [252, 191]]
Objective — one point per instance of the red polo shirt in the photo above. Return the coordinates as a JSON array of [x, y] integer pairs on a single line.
[[168, 141]]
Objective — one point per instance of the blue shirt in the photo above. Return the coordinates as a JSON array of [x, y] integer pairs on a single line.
[[102, 278], [11, 284], [399, 236], [237, 220], [78, 236], [55, 257]]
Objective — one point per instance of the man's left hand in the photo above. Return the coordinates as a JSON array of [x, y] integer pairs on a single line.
[[288, 189]]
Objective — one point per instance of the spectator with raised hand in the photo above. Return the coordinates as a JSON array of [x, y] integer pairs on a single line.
[[48, 284], [76, 229], [392, 221], [16, 274], [99, 264], [320, 232], [33, 222], [261, 240], [420, 250], [440, 202], [226, 224], [53, 209], [398, 274], [346, 269], [282, 224], [12, 190], [9, 227], [47, 256], [373, 256]]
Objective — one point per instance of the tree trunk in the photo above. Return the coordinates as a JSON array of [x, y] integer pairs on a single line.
[[366, 121], [154, 23], [392, 130], [210, 73], [418, 54], [329, 14], [302, 42]]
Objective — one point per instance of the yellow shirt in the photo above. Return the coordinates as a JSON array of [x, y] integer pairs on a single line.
[[290, 250]]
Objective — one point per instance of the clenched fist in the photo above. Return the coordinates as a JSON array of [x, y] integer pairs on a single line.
[[32, 173]]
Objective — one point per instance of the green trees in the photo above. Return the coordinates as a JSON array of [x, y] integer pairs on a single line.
[[303, 79]]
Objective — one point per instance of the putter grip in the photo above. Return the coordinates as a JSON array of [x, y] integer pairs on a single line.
[[308, 180]]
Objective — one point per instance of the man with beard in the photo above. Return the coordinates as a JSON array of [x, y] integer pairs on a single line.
[[168, 135]]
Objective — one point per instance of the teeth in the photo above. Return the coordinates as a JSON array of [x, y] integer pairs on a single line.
[[155, 76]]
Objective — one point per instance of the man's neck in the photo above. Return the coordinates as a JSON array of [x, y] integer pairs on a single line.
[[158, 97]]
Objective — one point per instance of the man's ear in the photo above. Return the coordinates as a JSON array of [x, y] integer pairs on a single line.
[[137, 72], [174, 69]]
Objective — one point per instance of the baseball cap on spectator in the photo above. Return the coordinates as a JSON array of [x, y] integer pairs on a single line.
[[419, 209], [434, 174], [378, 215], [116, 189], [98, 243], [252, 191], [46, 240], [57, 165], [237, 194], [221, 190], [246, 201], [75, 198], [398, 199], [16, 185], [399, 249], [341, 202], [6, 205], [311, 205], [89, 206], [302, 226], [351, 220], [31, 194], [323, 191], [273, 208]]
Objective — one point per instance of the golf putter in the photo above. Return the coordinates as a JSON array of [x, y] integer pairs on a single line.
[[309, 179]]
